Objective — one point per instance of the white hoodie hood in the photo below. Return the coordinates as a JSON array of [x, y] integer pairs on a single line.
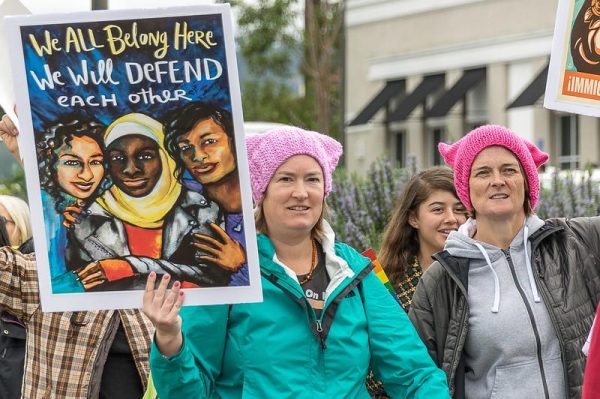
[[460, 243]]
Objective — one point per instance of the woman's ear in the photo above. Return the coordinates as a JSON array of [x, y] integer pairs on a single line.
[[413, 221]]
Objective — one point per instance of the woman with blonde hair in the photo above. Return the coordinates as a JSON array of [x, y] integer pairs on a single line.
[[17, 219], [325, 316]]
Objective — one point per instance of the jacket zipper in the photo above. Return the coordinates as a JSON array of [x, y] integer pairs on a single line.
[[302, 301], [538, 342]]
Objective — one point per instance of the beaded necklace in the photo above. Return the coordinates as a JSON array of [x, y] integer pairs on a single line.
[[313, 265]]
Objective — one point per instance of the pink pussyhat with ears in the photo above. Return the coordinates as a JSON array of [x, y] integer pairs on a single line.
[[461, 155], [269, 150]]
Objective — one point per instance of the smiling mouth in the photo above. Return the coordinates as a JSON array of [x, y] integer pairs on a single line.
[[135, 183], [299, 208], [84, 186], [446, 231], [499, 196], [205, 168]]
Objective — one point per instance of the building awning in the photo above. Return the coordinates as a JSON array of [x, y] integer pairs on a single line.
[[532, 92], [391, 89], [429, 84], [467, 81]]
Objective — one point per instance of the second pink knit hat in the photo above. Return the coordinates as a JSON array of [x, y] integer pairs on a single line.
[[461, 155], [269, 150]]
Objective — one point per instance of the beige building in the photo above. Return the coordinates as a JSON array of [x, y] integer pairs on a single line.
[[423, 71]]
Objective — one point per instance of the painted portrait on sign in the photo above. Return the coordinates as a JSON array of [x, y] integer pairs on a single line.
[[138, 146], [574, 73]]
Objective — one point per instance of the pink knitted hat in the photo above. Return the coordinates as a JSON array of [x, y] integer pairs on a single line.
[[269, 150], [461, 155]]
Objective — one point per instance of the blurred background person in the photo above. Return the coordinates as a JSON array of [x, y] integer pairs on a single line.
[[424, 216], [15, 213], [79, 370], [15, 231], [426, 212]]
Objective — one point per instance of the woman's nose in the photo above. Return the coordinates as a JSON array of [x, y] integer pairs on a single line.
[[86, 173], [300, 191], [131, 167]]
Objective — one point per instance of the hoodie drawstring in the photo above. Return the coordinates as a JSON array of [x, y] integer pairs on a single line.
[[534, 290], [496, 305]]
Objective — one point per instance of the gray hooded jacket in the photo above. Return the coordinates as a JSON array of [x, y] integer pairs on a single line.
[[511, 337], [564, 255]]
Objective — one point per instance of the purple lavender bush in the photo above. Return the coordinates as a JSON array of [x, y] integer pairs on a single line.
[[360, 207], [569, 197]]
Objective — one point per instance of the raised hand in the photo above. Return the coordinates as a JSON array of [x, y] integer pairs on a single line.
[[8, 134], [162, 308], [227, 253]]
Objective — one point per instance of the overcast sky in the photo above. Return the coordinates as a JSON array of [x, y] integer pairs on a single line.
[[50, 6]]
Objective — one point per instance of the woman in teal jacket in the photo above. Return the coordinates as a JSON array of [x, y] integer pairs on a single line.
[[325, 316]]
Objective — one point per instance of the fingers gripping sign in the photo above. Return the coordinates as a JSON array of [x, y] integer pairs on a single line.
[[226, 252], [162, 308]]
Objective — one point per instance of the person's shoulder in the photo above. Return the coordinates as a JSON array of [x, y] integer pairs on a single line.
[[434, 272], [583, 225], [350, 255], [9, 254]]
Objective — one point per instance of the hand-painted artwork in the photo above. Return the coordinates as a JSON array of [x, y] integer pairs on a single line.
[[138, 150], [574, 74]]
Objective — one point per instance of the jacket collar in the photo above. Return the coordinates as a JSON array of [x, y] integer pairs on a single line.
[[343, 264]]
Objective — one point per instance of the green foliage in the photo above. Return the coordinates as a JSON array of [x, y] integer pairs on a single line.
[[271, 41], [360, 207], [288, 107], [14, 185], [266, 39]]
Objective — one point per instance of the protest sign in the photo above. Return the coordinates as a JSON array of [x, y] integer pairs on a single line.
[[134, 153], [574, 74]]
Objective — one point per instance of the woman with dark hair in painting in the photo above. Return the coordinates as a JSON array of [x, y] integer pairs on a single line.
[[71, 169], [200, 138], [71, 160], [145, 222]]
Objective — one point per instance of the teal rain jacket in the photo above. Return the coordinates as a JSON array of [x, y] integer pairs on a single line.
[[279, 349]]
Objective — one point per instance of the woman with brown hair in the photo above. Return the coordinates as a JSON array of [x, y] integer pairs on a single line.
[[423, 217], [425, 214]]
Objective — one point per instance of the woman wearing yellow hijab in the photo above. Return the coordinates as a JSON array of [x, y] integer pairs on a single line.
[[145, 221]]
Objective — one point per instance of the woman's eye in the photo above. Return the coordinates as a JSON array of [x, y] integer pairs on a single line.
[[209, 141], [117, 158], [185, 148], [437, 210], [95, 162], [146, 156], [314, 179], [72, 162], [285, 179]]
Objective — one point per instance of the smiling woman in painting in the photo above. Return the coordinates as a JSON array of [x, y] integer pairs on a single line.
[[145, 222]]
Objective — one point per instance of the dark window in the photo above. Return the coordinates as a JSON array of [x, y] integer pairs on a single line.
[[400, 148], [568, 142], [438, 135]]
